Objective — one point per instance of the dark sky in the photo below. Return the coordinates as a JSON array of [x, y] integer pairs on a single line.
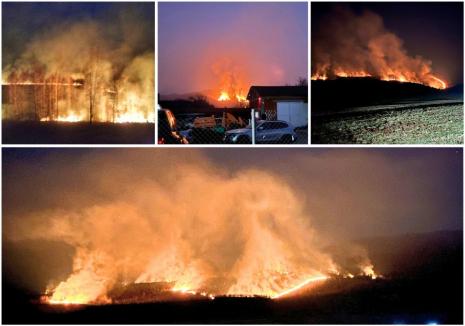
[[24, 21], [260, 43], [433, 30], [346, 193]]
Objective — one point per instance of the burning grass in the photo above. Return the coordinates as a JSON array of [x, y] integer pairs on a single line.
[[82, 70], [348, 44], [137, 293], [249, 245]]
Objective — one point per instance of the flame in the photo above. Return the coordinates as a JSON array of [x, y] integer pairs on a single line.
[[232, 82], [25, 83], [239, 98], [319, 77], [431, 81], [368, 270], [71, 117], [71, 97], [66, 295], [300, 285], [183, 289], [224, 97], [440, 83], [267, 249], [132, 107]]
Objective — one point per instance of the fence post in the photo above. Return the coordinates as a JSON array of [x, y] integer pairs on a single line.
[[252, 123]]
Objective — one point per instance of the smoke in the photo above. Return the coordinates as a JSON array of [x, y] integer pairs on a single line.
[[109, 58], [231, 46], [153, 216], [347, 44]]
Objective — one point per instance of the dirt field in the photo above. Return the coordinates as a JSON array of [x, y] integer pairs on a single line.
[[440, 124]]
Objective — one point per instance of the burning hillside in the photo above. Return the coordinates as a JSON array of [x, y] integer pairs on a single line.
[[352, 45], [231, 238], [83, 70]]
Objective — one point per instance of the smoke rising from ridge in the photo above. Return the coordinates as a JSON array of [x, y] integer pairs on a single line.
[[347, 44]]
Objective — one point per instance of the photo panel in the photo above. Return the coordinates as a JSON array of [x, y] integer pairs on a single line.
[[387, 72], [147, 236], [233, 73], [78, 73]]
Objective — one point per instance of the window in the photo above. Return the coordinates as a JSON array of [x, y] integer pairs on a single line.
[[280, 125]]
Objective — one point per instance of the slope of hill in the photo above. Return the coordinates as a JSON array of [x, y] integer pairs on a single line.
[[341, 93]]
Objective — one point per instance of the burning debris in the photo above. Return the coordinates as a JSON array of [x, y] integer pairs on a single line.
[[83, 70], [351, 45]]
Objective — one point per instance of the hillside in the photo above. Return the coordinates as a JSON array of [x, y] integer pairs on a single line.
[[342, 93]]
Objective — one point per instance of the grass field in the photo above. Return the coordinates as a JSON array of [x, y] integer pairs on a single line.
[[422, 125]]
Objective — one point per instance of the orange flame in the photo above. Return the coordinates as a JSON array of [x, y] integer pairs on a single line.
[[224, 97], [239, 98], [431, 81], [300, 286]]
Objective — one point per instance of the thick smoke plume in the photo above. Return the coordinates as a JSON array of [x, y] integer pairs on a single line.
[[347, 44], [197, 226], [83, 69]]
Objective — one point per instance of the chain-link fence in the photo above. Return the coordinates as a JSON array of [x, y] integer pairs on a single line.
[[227, 128]]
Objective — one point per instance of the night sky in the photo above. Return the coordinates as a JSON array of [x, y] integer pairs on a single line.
[[431, 30], [261, 43], [347, 193]]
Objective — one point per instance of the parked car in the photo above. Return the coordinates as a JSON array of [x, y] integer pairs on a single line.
[[187, 134], [167, 130], [266, 132]]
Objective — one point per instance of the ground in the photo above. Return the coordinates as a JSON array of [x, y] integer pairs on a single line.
[[366, 302], [422, 283], [302, 136], [422, 124], [34, 132]]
